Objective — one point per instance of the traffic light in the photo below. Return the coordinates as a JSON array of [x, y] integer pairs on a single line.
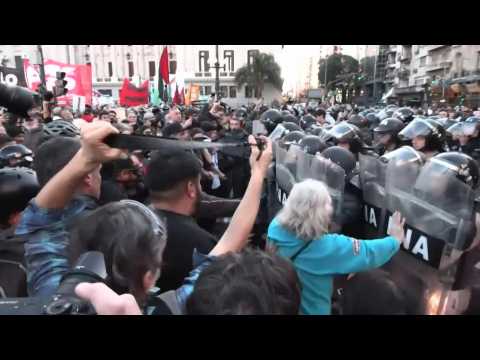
[[60, 85]]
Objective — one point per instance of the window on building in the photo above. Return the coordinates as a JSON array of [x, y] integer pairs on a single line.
[[110, 69], [130, 68], [478, 60], [228, 57], [257, 93], [173, 66], [107, 92], [458, 62], [151, 68], [248, 92], [208, 90], [203, 61], [233, 91], [251, 54], [224, 91], [423, 61]]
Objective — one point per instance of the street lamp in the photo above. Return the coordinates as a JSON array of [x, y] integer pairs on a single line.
[[217, 68]]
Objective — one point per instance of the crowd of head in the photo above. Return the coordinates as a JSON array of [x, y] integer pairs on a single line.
[[196, 226]]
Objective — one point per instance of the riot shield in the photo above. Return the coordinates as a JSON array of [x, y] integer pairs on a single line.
[[439, 210], [432, 200], [333, 176], [372, 180], [285, 169]]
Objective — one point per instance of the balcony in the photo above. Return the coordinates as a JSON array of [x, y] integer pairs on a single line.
[[438, 66], [403, 74], [207, 74], [409, 90], [223, 74], [435, 47], [199, 74]]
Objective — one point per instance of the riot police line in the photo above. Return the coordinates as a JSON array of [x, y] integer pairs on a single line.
[[433, 187]]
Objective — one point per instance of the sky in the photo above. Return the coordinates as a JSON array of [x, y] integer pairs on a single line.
[[295, 61]]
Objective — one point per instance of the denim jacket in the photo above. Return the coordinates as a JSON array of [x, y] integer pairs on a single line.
[[46, 232]]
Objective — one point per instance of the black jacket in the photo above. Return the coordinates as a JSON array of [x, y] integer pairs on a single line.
[[13, 274]]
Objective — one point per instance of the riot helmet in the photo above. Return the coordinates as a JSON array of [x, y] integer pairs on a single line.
[[317, 130], [345, 133], [290, 126], [342, 157], [428, 129], [18, 185], [372, 120], [463, 166], [405, 154], [293, 137], [358, 120], [446, 122], [271, 118], [404, 114], [60, 128], [307, 121], [16, 155], [240, 114], [386, 134], [291, 119], [463, 128], [312, 144]]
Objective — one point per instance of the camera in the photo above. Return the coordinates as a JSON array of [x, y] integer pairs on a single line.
[[19, 100], [90, 267]]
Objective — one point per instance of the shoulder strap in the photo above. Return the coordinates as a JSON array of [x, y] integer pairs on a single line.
[[294, 256]]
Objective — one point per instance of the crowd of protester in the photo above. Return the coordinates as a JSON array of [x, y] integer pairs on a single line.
[[192, 231]]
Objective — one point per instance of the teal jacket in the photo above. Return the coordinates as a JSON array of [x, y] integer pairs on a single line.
[[325, 257]]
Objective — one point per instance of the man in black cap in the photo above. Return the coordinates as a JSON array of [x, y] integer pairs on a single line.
[[173, 178]]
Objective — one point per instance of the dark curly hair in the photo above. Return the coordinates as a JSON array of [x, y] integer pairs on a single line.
[[251, 282]]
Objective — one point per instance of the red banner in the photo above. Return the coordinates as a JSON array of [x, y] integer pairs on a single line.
[[78, 77], [130, 95]]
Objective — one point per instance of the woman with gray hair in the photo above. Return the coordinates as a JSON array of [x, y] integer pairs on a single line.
[[300, 232]]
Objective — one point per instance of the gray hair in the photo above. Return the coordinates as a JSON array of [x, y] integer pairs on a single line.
[[307, 211]]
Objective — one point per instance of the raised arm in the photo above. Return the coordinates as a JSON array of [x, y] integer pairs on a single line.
[[236, 235], [61, 188]]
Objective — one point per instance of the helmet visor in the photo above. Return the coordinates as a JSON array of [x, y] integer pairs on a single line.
[[416, 128]]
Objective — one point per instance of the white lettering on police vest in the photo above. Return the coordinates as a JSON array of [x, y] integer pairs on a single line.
[[421, 247], [373, 220], [370, 216], [281, 195]]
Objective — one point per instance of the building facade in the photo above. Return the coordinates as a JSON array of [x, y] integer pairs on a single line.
[[436, 74], [196, 66], [111, 64]]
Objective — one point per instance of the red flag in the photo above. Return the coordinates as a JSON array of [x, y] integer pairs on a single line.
[[182, 96], [177, 100], [164, 66], [78, 77], [130, 95]]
